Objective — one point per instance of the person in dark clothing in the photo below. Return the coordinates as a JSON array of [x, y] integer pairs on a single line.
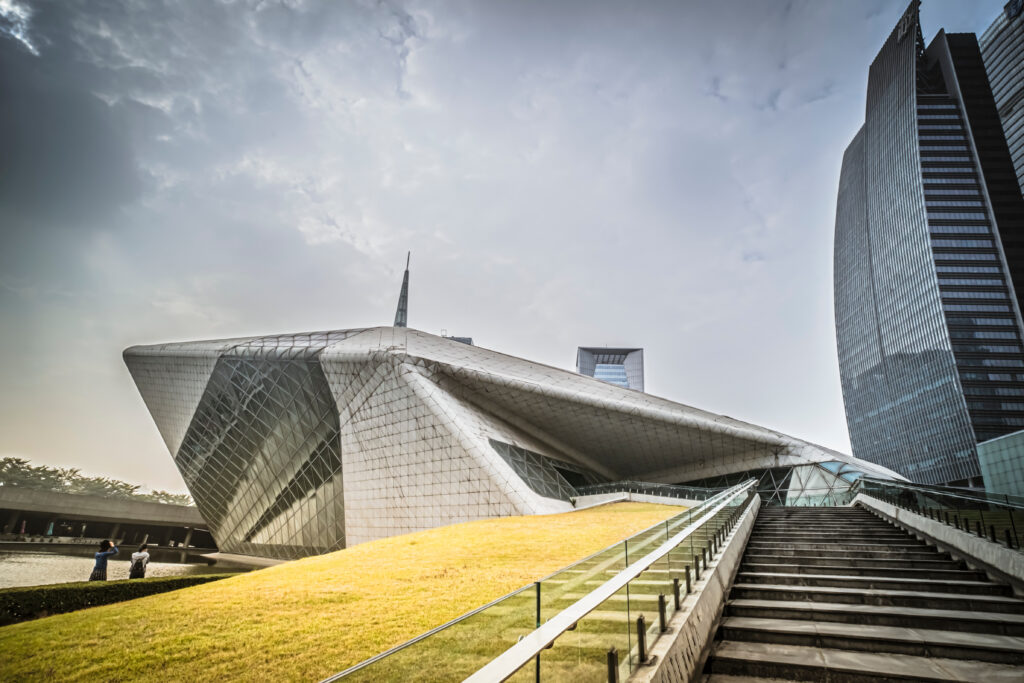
[[139, 561], [99, 572]]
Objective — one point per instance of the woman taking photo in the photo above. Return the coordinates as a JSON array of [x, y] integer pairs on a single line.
[[99, 572]]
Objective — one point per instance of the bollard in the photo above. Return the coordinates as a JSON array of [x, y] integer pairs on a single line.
[[675, 587], [947, 517], [641, 639], [956, 522], [688, 589], [1009, 538], [662, 607], [977, 529], [704, 555], [613, 666], [992, 533], [696, 568]]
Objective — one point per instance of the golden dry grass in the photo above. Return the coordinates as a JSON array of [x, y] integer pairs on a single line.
[[307, 619]]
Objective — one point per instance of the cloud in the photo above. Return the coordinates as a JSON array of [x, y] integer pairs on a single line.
[[14, 24]]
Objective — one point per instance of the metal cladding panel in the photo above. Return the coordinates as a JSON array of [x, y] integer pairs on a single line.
[[171, 379], [410, 458], [625, 432]]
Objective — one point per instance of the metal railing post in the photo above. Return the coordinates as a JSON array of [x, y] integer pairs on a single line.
[[675, 588], [613, 666], [641, 639], [536, 667], [662, 608], [688, 588]]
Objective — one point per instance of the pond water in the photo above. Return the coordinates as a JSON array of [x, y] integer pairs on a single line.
[[36, 567]]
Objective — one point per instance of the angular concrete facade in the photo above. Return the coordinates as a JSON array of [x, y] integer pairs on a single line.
[[300, 444]]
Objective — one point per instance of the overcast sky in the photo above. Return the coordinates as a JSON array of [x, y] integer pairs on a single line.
[[565, 173]]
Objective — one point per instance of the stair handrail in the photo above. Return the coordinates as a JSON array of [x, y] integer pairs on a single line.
[[523, 652], [951, 492]]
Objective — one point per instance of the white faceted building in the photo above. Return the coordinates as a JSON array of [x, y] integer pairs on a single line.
[[301, 444]]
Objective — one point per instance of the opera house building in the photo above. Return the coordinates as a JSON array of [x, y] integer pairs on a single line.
[[300, 444]]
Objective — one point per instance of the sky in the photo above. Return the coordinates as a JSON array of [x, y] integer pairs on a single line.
[[653, 174]]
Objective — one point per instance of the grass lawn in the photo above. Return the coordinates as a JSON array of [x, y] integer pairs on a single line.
[[313, 617]]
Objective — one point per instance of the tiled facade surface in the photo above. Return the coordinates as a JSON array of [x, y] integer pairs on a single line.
[[300, 444], [1002, 464]]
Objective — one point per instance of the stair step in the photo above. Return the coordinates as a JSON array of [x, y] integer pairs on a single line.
[[863, 562], [878, 597], [783, 537], [790, 567], [868, 582], [892, 639], [837, 550], [911, 617], [830, 536], [793, 662], [728, 678]]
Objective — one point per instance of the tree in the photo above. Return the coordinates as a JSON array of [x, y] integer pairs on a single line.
[[21, 473]]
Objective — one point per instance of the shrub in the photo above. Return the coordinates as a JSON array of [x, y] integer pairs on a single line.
[[31, 602]]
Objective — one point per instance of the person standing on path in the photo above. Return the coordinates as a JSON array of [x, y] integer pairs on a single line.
[[139, 561], [99, 572]]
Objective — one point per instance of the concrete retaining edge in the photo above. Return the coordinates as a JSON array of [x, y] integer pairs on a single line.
[[1001, 564], [680, 654], [584, 502]]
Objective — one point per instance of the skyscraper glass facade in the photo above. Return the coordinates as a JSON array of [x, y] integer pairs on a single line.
[[1002, 46], [927, 329], [623, 367]]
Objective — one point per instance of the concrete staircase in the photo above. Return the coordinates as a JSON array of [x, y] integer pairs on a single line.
[[837, 594]]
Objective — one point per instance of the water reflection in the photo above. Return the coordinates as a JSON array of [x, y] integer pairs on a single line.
[[45, 566]]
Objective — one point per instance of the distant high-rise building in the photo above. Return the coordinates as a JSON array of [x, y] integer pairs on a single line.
[[928, 245], [402, 312], [461, 340], [624, 367], [1002, 48]]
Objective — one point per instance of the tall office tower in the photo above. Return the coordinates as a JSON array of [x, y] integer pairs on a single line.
[[1002, 47], [402, 311], [624, 367], [928, 324]]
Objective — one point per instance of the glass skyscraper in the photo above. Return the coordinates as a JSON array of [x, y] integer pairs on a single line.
[[928, 324], [1002, 47]]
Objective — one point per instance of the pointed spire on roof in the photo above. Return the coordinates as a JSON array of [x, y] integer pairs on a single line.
[[402, 314]]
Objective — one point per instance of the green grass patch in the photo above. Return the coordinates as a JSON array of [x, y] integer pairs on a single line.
[[31, 602], [313, 617]]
